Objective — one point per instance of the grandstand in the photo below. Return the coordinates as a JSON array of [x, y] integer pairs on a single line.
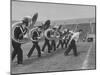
[[88, 26]]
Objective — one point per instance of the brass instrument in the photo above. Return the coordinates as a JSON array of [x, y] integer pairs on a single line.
[[51, 34], [26, 36], [38, 33]]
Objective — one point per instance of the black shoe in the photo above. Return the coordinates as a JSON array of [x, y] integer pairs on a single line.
[[28, 56], [62, 47], [66, 54], [54, 49], [57, 47], [49, 51], [42, 50], [19, 62], [76, 55], [65, 46], [39, 55]]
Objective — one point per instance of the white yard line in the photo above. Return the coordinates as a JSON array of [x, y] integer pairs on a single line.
[[85, 63]]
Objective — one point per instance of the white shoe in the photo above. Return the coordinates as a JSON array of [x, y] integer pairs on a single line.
[[20, 65], [42, 52]]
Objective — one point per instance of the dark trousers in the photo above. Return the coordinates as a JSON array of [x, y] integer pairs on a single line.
[[65, 42], [47, 43], [53, 45], [60, 43], [73, 47], [35, 45], [17, 51]]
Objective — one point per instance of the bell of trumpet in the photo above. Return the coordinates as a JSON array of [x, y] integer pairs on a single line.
[[35, 34], [25, 37], [50, 34]]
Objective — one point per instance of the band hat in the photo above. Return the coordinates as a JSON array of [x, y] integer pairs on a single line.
[[28, 18], [47, 24]]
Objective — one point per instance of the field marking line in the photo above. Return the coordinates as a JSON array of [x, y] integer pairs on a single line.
[[85, 63]]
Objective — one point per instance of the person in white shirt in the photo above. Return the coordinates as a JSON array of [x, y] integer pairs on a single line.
[[72, 43]]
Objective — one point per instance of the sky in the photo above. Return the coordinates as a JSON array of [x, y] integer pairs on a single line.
[[51, 11]]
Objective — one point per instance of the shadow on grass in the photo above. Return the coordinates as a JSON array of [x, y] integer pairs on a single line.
[[47, 56], [44, 56], [35, 58]]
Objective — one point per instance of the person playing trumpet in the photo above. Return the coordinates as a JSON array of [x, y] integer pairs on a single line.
[[60, 42], [35, 37], [18, 33], [47, 42], [53, 42]]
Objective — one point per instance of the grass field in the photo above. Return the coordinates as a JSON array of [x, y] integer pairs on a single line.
[[56, 61]]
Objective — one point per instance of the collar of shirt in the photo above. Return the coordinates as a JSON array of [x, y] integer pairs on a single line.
[[75, 36]]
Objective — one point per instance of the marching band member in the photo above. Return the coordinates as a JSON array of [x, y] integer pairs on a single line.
[[60, 40], [53, 43], [19, 32], [65, 38], [60, 43], [72, 43], [47, 42], [35, 35]]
